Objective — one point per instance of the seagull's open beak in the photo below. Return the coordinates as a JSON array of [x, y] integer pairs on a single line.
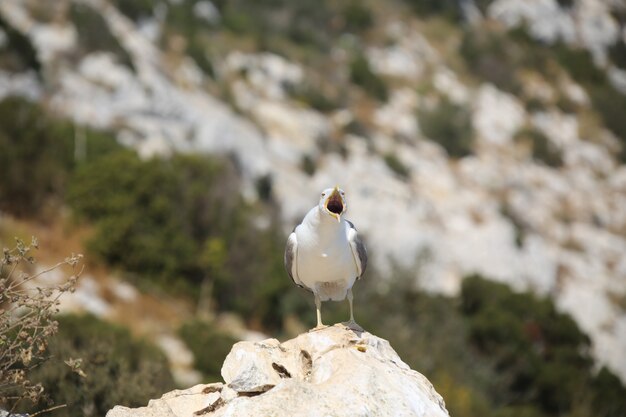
[[334, 204]]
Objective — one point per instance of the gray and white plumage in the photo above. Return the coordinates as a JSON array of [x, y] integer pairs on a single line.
[[325, 254]]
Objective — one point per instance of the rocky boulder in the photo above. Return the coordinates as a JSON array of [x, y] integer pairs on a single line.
[[331, 372]]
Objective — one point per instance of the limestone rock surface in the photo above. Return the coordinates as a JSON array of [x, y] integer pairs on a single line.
[[331, 372]]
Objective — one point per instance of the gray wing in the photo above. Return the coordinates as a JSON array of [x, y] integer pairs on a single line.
[[358, 250], [291, 256]]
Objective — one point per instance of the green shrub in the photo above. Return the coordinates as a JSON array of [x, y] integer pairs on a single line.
[[535, 105], [135, 9], [617, 53], [94, 34], [449, 9], [313, 97], [566, 105], [543, 148], [357, 17], [18, 54], [566, 3], [610, 103], [449, 125], [606, 100], [540, 352], [308, 165], [151, 216], [609, 397], [522, 51], [120, 370], [579, 63], [397, 166], [158, 218], [38, 156], [493, 57], [362, 75], [209, 347]]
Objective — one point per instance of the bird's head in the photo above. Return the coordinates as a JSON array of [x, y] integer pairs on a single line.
[[333, 202]]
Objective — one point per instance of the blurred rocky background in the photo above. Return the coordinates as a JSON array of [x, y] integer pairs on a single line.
[[482, 146]]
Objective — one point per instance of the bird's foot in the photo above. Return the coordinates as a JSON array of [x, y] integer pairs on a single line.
[[318, 327], [352, 325]]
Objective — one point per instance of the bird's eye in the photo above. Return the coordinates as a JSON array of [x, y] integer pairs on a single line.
[[323, 194]]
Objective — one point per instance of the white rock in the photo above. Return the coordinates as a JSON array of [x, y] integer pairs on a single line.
[[446, 81], [53, 40], [331, 372], [497, 115], [180, 359], [397, 116], [545, 19]]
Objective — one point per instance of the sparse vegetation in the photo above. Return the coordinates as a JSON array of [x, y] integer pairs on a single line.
[[116, 368], [491, 56], [449, 125], [135, 9], [18, 54], [543, 149], [38, 156], [208, 345], [397, 166], [449, 9], [361, 74], [314, 97], [489, 351], [156, 218], [357, 16], [308, 165], [94, 34], [27, 322], [617, 52]]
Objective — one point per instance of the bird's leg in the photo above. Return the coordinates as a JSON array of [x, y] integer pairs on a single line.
[[318, 309], [352, 324], [350, 297]]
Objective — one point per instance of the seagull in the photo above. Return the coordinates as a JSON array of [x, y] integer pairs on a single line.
[[324, 253]]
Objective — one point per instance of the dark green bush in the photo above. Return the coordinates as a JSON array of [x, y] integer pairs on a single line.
[[609, 394], [449, 125], [535, 105], [362, 75], [308, 165], [38, 156], [357, 16], [542, 355], [160, 218], [543, 149], [314, 97], [152, 216], [120, 370], [397, 166], [209, 347], [135, 9], [565, 3], [606, 100], [579, 63], [610, 103], [449, 9], [18, 54], [94, 34], [493, 57], [617, 52]]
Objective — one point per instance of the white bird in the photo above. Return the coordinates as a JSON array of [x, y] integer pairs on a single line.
[[324, 253]]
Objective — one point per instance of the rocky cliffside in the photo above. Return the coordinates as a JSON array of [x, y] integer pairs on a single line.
[[335, 371]]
